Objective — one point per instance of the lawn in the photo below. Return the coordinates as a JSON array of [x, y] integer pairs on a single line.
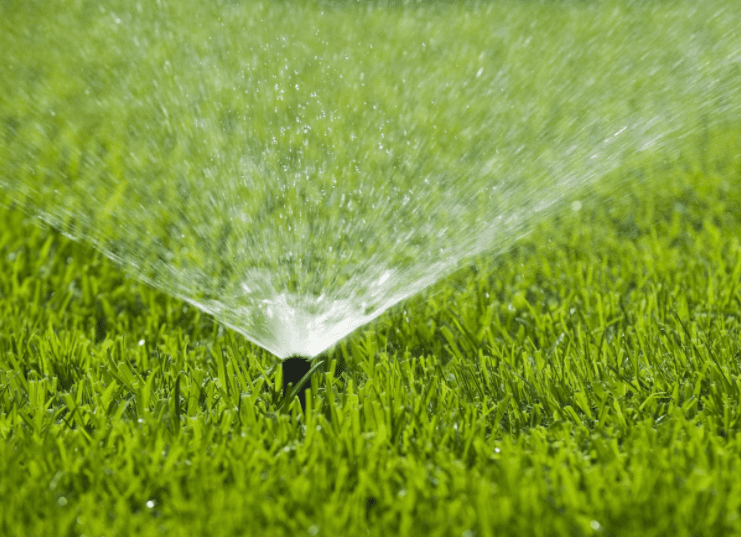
[[579, 374]]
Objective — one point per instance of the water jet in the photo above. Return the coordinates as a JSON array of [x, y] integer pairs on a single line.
[[295, 181]]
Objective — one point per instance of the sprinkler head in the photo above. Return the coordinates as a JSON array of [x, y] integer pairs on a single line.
[[294, 369]]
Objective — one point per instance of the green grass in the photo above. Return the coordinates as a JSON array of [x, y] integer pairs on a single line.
[[585, 382]]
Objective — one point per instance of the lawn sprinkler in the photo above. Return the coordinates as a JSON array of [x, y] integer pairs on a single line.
[[296, 373]]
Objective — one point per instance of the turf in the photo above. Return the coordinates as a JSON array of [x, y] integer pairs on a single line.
[[585, 382]]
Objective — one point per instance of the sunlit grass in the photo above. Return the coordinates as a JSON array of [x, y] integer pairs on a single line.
[[585, 382]]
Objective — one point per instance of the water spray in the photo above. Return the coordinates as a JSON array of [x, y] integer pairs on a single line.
[[296, 189]]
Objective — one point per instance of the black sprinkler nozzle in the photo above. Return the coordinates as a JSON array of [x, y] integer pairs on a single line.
[[294, 369]]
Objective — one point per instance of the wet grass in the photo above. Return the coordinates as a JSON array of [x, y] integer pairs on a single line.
[[585, 382]]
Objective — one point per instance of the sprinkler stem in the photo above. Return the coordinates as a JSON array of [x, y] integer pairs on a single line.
[[294, 369]]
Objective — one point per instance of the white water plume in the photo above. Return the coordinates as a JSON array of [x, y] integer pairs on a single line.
[[295, 170]]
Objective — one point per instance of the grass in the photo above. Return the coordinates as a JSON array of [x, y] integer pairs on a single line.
[[587, 382], [584, 382]]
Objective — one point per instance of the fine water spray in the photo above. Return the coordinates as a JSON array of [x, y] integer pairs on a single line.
[[296, 181]]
